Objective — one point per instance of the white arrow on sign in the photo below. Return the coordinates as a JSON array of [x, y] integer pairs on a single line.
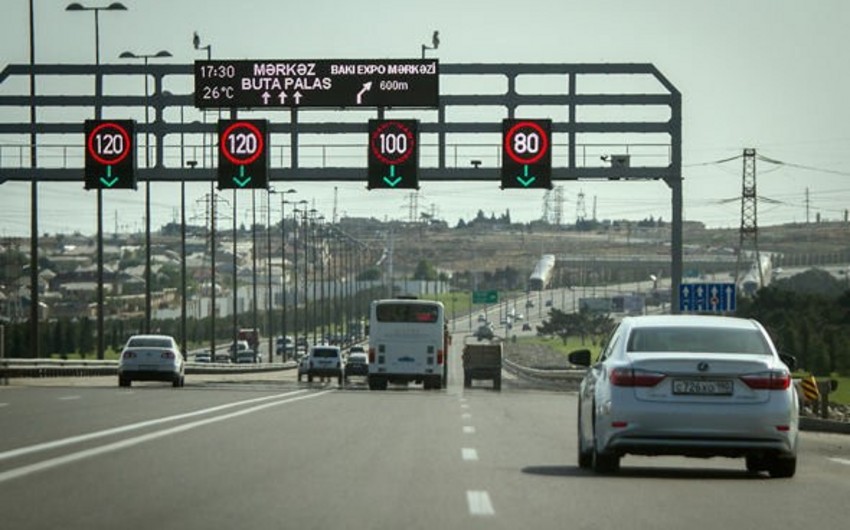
[[366, 88], [266, 97], [282, 97], [730, 292], [297, 97]]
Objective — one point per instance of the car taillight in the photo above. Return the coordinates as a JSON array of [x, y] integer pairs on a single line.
[[777, 380], [439, 356], [371, 355], [129, 355], [632, 377], [167, 355]]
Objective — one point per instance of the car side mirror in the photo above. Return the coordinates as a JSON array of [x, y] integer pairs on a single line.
[[580, 357], [789, 360]]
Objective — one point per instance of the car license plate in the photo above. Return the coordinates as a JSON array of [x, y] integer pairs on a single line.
[[148, 367], [702, 387]]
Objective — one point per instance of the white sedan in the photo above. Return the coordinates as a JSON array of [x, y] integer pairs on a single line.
[[151, 358], [696, 386]]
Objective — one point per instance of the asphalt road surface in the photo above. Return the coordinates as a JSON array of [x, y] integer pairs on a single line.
[[266, 452]]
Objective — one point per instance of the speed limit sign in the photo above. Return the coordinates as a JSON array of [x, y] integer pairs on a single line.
[[243, 154], [110, 154], [527, 154], [393, 154]]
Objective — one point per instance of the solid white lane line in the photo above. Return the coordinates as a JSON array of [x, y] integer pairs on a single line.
[[479, 503], [469, 454], [117, 430], [468, 429], [841, 461], [130, 442], [69, 398]]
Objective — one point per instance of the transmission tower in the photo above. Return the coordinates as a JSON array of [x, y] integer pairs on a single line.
[[581, 210], [547, 206], [559, 206], [748, 235]]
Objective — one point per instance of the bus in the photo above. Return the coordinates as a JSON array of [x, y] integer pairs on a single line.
[[407, 343]]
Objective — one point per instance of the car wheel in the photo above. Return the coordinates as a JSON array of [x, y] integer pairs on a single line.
[[467, 381], [176, 382], [585, 456], [299, 378], [782, 467], [122, 382], [309, 378], [497, 383], [755, 464], [339, 379], [602, 462]]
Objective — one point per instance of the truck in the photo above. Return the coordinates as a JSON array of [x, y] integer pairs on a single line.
[[252, 336], [482, 361]]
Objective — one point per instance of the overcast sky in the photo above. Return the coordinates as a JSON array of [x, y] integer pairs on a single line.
[[768, 74]]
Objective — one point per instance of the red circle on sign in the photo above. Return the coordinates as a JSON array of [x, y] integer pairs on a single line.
[[120, 156], [544, 142], [376, 150], [222, 142]]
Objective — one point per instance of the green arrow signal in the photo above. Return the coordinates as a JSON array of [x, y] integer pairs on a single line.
[[241, 180], [525, 180], [108, 181], [392, 180]]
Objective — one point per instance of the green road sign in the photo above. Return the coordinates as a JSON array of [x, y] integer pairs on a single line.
[[485, 297]]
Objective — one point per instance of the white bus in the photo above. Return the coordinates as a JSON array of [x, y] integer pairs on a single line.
[[407, 343]]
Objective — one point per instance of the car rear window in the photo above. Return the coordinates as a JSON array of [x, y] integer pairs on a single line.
[[325, 352], [698, 340], [407, 313], [148, 342]]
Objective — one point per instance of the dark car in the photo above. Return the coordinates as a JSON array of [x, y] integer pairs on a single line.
[[357, 364]]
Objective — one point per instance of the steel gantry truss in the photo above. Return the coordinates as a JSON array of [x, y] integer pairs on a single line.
[[599, 129]]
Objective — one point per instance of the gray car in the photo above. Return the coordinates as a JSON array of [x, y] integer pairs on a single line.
[[697, 386]]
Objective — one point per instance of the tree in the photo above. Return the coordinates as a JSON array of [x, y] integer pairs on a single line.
[[425, 271]]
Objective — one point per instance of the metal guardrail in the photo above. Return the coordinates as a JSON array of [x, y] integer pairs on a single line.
[[38, 368], [572, 376]]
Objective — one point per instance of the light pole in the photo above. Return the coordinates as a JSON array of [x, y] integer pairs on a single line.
[[98, 89], [145, 57], [196, 43], [283, 202]]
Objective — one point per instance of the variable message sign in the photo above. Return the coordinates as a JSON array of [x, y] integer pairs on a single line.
[[243, 160], [393, 154], [526, 154], [317, 83], [110, 154]]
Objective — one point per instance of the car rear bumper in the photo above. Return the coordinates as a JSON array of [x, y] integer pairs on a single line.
[[149, 375], [670, 429]]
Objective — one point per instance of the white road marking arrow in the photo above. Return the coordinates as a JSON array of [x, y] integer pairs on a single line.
[[366, 88]]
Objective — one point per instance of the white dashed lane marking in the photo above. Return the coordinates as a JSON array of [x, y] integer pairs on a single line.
[[466, 415], [3, 405], [841, 461], [469, 454], [479, 503], [69, 398], [468, 429]]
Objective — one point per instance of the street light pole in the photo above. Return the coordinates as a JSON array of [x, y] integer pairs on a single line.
[[145, 58], [98, 88], [283, 202], [196, 43]]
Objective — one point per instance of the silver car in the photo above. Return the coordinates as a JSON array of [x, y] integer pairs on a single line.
[[151, 358], [697, 386]]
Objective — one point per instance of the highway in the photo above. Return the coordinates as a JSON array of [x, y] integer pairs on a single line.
[[262, 451]]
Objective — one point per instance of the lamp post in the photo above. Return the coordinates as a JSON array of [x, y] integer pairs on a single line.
[[145, 57], [196, 43], [98, 89], [284, 202]]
